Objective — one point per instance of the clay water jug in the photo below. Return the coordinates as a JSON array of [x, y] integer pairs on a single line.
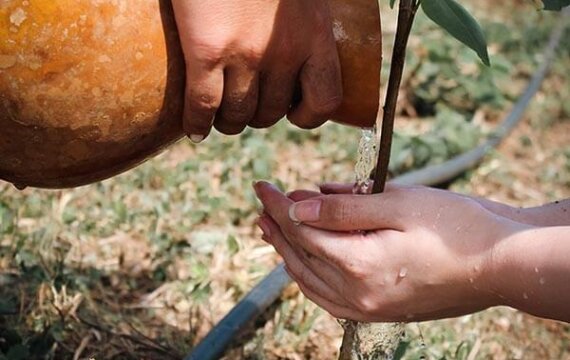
[[89, 89]]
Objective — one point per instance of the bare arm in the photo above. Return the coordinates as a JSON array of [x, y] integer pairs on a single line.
[[554, 214], [531, 270]]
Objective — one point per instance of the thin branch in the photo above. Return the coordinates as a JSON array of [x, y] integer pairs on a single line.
[[145, 342], [406, 15]]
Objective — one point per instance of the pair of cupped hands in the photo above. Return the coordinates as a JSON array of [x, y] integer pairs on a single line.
[[408, 254]]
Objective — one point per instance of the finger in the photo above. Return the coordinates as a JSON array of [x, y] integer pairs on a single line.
[[322, 269], [319, 243], [300, 195], [239, 100], [337, 311], [275, 95], [321, 86], [204, 91], [301, 265], [275, 203], [353, 212]]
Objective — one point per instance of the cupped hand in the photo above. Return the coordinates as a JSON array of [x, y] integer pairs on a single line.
[[244, 59], [410, 254]]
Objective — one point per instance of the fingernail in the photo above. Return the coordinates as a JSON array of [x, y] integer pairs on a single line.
[[196, 139], [262, 223], [305, 211]]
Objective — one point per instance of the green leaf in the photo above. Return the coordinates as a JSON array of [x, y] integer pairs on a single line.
[[555, 5], [233, 245], [392, 3], [456, 20]]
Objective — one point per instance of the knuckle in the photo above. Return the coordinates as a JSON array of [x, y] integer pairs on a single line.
[[340, 211], [208, 51], [238, 107], [218, 46], [251, 55], [202, 103]]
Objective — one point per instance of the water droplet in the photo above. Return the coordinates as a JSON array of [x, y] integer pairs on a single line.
[[471, 280], [542, 281], [403, 272], [536, 270], [525, 296]]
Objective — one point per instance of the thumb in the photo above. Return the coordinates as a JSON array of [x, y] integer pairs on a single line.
[[351, 212]]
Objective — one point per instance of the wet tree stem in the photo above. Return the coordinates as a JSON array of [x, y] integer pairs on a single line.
[[364, 341]]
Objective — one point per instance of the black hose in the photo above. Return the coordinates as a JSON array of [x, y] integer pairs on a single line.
[[254, 304], [270, 288], [449, 170]]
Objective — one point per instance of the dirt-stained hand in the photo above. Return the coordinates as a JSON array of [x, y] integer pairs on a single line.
[[245, 58]]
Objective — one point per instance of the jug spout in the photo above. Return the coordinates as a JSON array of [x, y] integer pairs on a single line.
[[87, 92]]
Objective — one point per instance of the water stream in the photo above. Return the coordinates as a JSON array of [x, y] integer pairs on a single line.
[[363, 341], [366, 160]]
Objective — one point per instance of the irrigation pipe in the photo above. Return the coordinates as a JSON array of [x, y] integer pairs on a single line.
[[439, 174], [269, 290]]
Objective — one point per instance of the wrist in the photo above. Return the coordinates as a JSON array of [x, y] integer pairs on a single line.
[[531, 270], [517, 214], [502, 264]]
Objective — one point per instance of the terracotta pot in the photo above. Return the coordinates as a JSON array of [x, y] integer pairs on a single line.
[[89, 89]]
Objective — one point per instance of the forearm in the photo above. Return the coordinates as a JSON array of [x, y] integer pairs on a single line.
[[554, 214], [531, 272]]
